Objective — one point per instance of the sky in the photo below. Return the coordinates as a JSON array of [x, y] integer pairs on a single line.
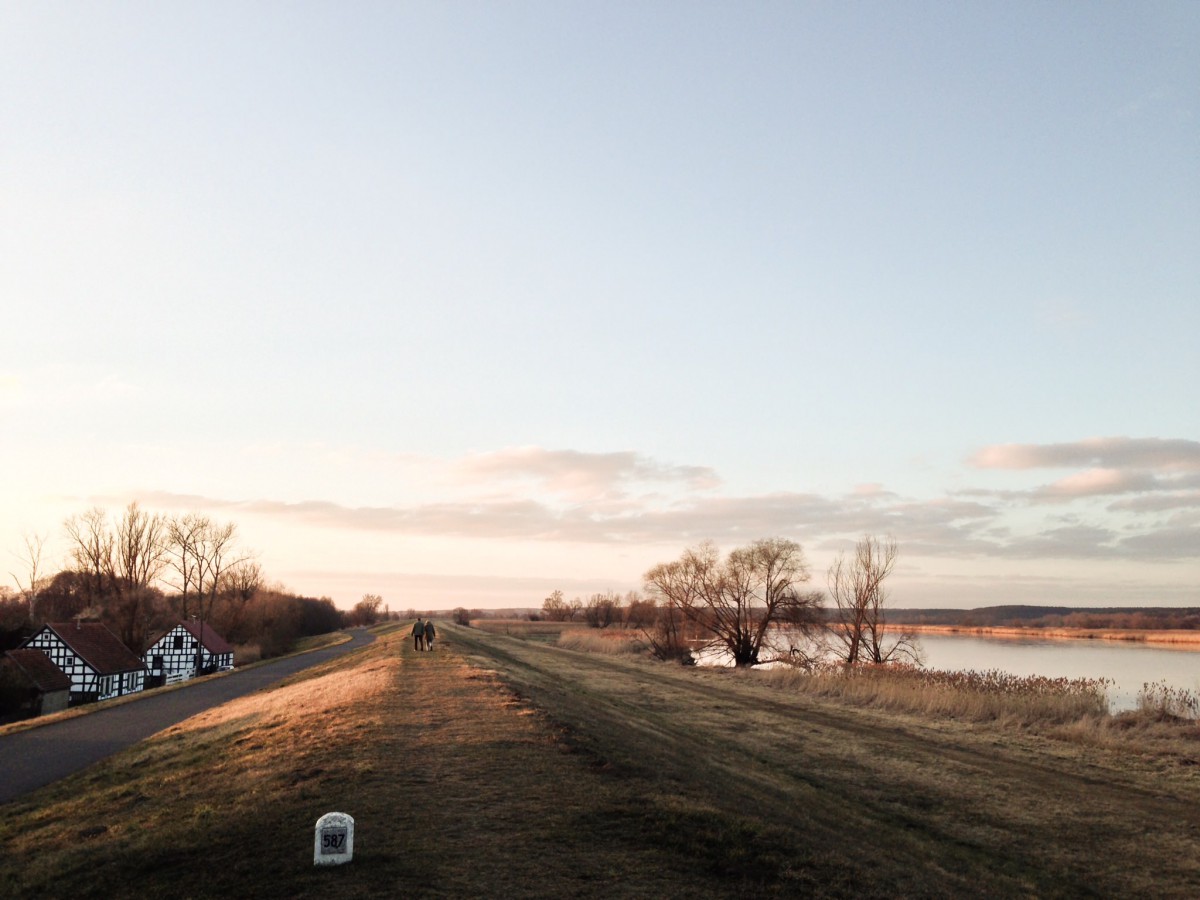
[[462, 303]]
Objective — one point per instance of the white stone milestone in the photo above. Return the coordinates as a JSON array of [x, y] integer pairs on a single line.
[[334, 841]]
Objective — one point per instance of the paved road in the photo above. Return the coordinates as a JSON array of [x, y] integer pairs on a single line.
[[33, 758]]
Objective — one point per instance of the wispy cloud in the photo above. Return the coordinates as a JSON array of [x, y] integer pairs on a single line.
[[570, 499], [581, 476], [1099, 482], [1166, 470], [1156, 454], [1157, 502]]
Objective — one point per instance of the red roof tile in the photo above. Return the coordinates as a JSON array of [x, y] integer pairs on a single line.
[[42, 671], [212, 641], [97, 646]]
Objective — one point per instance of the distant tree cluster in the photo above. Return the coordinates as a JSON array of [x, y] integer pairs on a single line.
[[139, 573], [367, 611], [1021, 616], [601, 610]]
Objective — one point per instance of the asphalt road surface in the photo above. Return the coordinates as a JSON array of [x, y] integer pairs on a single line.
[[36, 757]]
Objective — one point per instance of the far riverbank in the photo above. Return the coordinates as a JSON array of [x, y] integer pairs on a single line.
[[1182, 639]]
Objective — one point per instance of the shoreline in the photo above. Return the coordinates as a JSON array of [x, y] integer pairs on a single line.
[[1178, 638]]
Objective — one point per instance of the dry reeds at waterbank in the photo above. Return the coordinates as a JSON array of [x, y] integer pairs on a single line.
[[615, 642], [1073, 709], [991, 695]]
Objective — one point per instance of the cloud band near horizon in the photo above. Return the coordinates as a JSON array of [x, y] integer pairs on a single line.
[[534, 494]]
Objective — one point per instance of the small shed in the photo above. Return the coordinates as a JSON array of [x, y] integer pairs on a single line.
[[45, 687]]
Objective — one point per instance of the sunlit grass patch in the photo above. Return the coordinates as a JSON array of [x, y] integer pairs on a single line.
[[200, 784]]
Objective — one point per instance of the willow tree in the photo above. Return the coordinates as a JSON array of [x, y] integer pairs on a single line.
[[737, 600]]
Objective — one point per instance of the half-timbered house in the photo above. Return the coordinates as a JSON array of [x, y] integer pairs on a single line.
[[183, 649], [99, 665]]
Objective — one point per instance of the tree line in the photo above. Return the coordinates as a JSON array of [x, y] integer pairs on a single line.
[[140, 572], [745, 601]]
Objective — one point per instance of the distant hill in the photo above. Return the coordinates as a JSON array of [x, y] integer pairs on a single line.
[[1148, 617]]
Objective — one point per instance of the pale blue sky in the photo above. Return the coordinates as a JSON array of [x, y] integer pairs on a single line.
[[523, 294]]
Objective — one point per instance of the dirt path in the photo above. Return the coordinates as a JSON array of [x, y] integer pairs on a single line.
[[892, 805]]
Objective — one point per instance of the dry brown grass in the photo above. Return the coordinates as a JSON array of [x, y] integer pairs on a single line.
[[523, 628], [614, 641], [872, 802], [990, 696], [456, 786], [503, 766]]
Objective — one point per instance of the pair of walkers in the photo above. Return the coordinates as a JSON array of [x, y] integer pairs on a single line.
[[423, 634]]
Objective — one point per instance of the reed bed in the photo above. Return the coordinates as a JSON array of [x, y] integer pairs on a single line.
[[612, 643], [979, 696], [1159, 701]]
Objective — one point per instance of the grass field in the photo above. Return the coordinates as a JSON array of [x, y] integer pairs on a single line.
[[503, 765]]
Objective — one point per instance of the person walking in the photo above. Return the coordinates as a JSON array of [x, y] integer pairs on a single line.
[[418, 634], [430, 634]]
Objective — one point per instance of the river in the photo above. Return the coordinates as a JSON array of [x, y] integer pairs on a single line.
[[1128, 664]]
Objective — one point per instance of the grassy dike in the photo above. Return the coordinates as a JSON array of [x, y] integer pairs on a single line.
[[505, 766]]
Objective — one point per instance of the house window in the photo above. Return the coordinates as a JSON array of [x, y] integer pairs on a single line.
[[158, 662], [178, 642]]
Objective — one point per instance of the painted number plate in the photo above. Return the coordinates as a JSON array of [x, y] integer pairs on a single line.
[[333, 841]]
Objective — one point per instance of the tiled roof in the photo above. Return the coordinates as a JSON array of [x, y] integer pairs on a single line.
[[212, 641], [97, 646], [42, 671]]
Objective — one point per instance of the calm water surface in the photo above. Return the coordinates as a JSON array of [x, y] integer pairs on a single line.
[[1129, 665]]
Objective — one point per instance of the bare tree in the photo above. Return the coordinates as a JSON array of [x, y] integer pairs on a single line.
[[667, 633], [141, 555], [857, 621], [243, 580], [120, 565], [240, 584], [555, 608], [639, 613], [366, 611], [201, 553], [183, 531], [92, 547], [602, 610], [739, 599], [31, 562]]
